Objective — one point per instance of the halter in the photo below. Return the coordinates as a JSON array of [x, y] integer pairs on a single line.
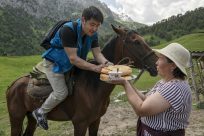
[[142, 61], [130, 62]]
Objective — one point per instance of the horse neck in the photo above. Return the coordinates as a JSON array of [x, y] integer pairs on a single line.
[[113, 50], [100, 89]]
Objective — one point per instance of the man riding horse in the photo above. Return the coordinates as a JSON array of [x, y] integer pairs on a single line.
[[72, 49]]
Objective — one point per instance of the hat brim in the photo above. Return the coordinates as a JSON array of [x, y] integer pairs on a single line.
[[160, 51]]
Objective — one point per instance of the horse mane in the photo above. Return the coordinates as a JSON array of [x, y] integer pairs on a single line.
[[109, 47], [88, 78]]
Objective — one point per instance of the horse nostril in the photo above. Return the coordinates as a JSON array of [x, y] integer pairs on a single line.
[[154, 72]]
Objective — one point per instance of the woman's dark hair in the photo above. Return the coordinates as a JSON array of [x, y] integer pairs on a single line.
[[177, 72], [93, 13]]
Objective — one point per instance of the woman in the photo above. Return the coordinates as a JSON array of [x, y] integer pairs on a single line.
[[165, 110]]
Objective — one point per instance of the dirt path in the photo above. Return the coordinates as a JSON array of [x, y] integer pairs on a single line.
[[120, 120]]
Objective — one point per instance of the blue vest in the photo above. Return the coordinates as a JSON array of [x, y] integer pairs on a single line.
[[59, 57]]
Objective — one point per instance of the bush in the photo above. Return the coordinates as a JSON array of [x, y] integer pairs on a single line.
[[2, 133]]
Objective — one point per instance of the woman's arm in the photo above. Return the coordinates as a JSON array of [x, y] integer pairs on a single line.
[[140, 94], [142, 106]]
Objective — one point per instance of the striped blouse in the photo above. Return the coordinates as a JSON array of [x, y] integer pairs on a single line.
[[178, 94]]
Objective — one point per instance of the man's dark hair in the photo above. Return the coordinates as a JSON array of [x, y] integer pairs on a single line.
[[177, 72], [93, 13]]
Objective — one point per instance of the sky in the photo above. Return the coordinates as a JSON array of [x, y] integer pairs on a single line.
[[152, 11]]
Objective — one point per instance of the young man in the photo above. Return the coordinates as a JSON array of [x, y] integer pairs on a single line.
[[69, 48]]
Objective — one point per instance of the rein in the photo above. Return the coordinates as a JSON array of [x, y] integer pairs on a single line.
[[129, 63]]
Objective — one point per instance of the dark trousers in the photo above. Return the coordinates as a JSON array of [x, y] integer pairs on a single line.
[[142, 127]]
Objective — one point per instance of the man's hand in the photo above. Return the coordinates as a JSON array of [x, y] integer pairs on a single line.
[[97, 68]]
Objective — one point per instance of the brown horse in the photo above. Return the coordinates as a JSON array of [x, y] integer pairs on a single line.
[[91, 96]]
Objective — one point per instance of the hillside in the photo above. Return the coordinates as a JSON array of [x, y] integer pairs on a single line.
[[174, 27], [24, 23], [193, 42]]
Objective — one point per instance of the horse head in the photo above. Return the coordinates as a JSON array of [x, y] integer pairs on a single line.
[[129, 44]]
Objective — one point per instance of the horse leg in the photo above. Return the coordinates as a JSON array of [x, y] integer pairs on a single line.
[[93, 128], [80, 129], [31, 126], [16, 125]]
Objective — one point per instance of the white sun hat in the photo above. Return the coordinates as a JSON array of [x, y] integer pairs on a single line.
[[178, 54]]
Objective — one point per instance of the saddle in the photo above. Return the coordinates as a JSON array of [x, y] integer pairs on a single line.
[[39, 86]]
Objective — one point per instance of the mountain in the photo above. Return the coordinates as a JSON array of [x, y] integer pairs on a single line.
[[125, 17], [55, 9], [23, 23]]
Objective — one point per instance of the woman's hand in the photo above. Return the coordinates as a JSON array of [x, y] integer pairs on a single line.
[[118, 81]]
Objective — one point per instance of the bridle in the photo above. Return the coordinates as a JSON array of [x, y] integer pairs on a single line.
[[130, 61], [141, 60], [145, 57]]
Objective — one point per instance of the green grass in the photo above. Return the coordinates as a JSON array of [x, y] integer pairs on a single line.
[[13, 67], [10, 69], [193, 42]]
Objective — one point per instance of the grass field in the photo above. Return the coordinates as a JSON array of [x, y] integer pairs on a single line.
[[10, 69], [13, 67], [193, 42]]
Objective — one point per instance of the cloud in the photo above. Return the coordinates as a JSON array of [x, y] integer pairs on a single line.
[[152, 11], [112, 3]]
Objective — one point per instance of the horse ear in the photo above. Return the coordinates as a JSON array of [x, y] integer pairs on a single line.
[[119, 31]]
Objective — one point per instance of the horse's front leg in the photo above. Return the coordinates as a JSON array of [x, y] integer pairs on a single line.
[[93, 128], [80, 129]]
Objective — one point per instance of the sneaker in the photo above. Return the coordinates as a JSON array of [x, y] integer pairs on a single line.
[[41, 119]]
